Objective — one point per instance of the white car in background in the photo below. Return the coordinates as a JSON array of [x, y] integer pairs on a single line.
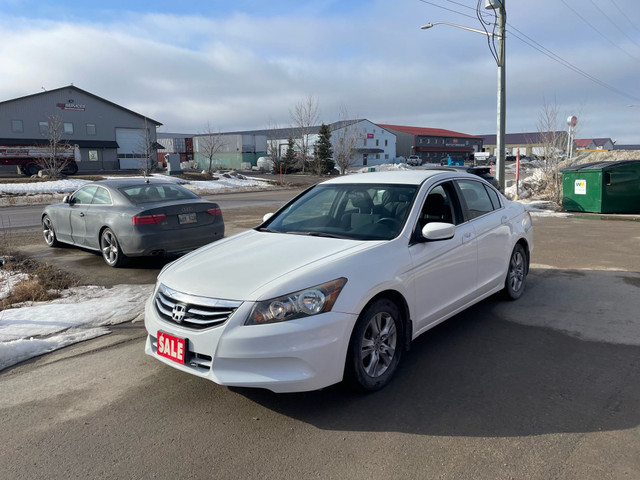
[[338, 282], [414, 160]]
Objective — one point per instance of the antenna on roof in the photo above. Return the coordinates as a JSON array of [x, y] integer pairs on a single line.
[[43, 89]]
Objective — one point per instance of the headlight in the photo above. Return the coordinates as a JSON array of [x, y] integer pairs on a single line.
[[304, 303]]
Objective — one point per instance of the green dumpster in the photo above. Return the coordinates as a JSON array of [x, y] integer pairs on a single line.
[[602, 187]]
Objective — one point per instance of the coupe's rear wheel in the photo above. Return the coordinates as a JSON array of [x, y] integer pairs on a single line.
[[48, 232], [517, 274], [110, 249], [376, 346]]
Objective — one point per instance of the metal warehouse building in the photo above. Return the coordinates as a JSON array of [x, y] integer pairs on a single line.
[[108, 135]]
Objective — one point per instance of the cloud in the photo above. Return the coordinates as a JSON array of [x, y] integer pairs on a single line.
[[239, 70]]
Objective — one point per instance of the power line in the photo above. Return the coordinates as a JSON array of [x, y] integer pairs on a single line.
[[567, 64], [612, 22], [625, 15], [598, 31], [537, 46]]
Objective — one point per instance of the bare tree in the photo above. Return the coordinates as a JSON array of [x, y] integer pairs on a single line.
[[147, 148], [304, 117], [345, 140], [209, 145], [58, 152], [273, 147], [550, 150]]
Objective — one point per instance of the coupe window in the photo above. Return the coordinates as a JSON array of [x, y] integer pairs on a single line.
[[149, 193], [101, 197], [357, 211], [84, 195]]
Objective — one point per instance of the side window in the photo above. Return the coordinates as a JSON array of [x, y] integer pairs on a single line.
[[476, 198], [495, 198], [439, 206], [101, 197], [84, 195]]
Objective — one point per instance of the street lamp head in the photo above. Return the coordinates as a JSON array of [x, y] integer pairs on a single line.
[[428, 25]]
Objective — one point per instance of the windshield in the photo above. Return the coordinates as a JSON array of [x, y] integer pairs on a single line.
[[357, 211]]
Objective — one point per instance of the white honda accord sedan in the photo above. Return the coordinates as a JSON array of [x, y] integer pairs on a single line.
[[337, 283]]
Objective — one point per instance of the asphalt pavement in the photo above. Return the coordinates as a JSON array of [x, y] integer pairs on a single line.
[[546, 387]]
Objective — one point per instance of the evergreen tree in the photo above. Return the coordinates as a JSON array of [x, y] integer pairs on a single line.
[[323, 161], [289, 157]]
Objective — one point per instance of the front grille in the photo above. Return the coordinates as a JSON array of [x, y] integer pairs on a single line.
[[191, 311]]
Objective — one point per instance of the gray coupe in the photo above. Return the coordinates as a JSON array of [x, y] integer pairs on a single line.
[[133, 217]]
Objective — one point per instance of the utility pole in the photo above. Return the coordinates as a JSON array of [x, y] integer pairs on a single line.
[[500, 137]]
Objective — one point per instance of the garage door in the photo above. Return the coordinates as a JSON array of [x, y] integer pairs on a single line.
[[130, 140], [130, 147]]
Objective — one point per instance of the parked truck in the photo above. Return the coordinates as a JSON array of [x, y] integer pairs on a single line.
[[28, 159]]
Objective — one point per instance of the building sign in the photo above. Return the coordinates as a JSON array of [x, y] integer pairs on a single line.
[[580, 187], [369, 135], [71, 106]]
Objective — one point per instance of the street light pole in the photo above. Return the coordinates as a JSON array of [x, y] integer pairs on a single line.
[[500, 137]]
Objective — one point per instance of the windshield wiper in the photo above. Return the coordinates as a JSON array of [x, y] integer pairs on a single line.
[[317, 234], [268, 230]]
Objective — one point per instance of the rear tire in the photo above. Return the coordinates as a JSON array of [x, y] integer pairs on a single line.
[[376, 346], [110, 249], [516, 274]]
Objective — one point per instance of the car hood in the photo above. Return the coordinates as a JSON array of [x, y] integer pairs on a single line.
[[257, 265]]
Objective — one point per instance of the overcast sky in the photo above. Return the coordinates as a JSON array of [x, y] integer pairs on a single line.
[[242, 64]]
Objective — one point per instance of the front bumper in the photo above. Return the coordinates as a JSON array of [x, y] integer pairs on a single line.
[[293, 356]]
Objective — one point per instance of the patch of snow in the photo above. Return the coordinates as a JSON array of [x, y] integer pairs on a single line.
[[82, 313], [8, 280]]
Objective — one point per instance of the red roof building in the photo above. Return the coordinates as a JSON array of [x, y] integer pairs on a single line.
[[433, 144]]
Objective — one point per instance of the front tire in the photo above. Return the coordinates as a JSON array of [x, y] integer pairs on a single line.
[[517, 273], [110, 249], [48, 232], [376, 346]]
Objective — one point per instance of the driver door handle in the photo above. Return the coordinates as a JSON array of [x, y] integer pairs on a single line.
[[82, 214]]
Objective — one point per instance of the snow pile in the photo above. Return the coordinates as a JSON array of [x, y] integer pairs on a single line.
[[51, 192], [385, 167], [32, 188], [528, 187], [82, 313], [8, 280]]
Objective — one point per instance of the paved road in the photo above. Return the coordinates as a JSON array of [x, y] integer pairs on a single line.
[[541, 388]]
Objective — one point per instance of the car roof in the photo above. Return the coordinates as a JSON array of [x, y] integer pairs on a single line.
[[406, 177], [130, 181]]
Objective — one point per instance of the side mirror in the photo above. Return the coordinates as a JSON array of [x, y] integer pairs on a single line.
[[267, 216], [66, 199], [438, 231]]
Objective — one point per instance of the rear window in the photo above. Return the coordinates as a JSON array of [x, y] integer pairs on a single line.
[[149, 193]]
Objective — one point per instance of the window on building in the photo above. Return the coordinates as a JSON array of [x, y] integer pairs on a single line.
[[377, 142], [44, 127], [93, 155], [377, 155], [68, 127], [386, 156], [386, 143], [91, 128], [16, 126]]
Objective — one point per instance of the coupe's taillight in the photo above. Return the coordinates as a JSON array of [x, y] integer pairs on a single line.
[[216, 212], [148, 219]]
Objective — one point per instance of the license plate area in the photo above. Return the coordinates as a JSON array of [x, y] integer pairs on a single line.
[[172, 347], [184, 218]]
